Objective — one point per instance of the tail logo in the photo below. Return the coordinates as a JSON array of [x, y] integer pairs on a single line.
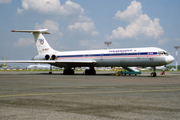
[[41, 41]]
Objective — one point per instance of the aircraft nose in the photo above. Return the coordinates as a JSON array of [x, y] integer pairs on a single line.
[[169, 59]]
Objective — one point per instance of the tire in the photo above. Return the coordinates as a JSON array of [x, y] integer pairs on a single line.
[[153, 74]]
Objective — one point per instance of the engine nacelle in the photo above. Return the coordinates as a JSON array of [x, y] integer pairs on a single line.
[[41, 57], [53, 57]]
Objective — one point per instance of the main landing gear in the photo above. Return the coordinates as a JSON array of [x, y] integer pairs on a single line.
[[68, 71], [90, 71], [153, 74]]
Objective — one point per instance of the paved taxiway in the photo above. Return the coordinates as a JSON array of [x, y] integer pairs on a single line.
[[38, 95]]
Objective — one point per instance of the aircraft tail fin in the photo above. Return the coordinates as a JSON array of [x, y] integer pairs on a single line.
[[42, 45]]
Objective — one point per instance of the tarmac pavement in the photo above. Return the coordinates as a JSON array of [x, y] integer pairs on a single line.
[[41, 96]]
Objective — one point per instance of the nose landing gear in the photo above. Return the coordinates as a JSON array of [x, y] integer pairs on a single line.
[[153, 74]]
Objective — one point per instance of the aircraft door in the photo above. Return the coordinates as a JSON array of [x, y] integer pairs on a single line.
[[101, 57], [138, 55]]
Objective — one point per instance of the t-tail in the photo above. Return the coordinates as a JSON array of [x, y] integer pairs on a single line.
[[43, 48]]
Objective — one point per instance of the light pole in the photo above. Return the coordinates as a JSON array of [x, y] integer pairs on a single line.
[[107, 43], [176, 47]]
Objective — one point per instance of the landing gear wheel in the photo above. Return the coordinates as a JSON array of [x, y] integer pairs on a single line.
[[72, 72], [50, 72], [68, 72], [90, 72], [153, 74]]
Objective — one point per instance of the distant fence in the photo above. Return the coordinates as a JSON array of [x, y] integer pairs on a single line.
[[12, 69], [7, 69]]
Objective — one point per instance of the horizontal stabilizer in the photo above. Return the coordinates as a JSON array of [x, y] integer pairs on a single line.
[[43, 31]]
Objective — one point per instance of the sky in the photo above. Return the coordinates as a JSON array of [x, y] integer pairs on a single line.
[[87, 24]]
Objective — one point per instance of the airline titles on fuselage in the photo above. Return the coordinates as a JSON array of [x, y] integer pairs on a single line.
[[120, 51]]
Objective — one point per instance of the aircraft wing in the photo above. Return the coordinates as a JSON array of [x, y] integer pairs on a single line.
[[73, 62], [27, 61]]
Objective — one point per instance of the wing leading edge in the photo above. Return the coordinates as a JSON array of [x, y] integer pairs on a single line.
[[68, 61]]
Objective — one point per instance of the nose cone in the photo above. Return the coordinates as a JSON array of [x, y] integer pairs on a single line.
[[169, 59]]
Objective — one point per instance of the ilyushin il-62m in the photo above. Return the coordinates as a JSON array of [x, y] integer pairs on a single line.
[[125, 57]]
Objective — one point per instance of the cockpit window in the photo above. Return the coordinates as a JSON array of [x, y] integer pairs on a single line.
[[163, 53], [166, 53]]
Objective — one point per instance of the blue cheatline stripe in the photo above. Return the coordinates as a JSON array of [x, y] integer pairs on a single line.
[[107, 54]]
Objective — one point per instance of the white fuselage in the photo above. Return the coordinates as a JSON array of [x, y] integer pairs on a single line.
[[150, 56]]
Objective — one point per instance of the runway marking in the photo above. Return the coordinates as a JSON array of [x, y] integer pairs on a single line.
[[104, 92], [123, 91], [35, 94], [77, 87], [55, 87], [155, 87], [93, 87]]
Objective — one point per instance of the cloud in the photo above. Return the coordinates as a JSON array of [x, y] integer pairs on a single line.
[[140, 25], [24, 42], [177, 39], [87, 27], [163, 41], [5, 1], [83, 24], [79, 22], [91, 44], [52, 26], [51, 7], [131, 13]]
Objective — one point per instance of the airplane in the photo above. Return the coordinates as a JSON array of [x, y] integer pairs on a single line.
[[126, 57]]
